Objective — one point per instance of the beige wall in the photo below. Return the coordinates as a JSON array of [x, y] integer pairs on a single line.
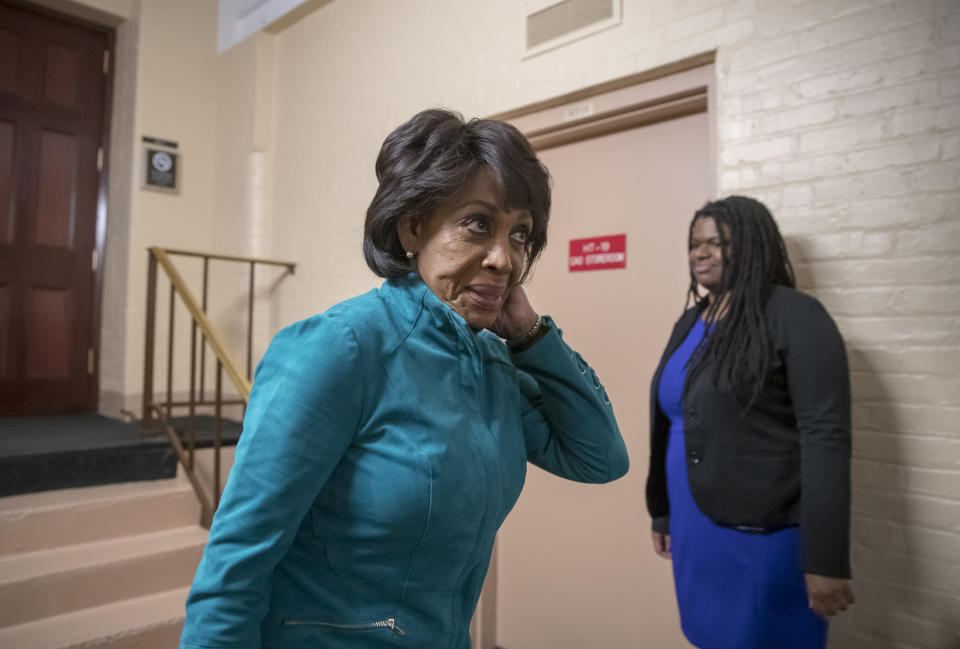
[[842, 116], [177, 78]]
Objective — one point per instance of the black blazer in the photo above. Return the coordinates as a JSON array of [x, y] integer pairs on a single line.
[[787, 460]]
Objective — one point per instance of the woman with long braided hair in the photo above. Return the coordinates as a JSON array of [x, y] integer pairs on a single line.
[[749, 486]]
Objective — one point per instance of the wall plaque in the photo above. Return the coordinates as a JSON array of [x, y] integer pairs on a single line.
[[162, 165]]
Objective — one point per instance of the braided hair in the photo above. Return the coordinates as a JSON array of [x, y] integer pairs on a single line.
[[754, 260]]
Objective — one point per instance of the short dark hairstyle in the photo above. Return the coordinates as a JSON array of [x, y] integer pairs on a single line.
[[755, 259], [432, 157]]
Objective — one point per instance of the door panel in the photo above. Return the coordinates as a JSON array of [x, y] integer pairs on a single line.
[[6, 181], [48, 350], [52, 89], [61, 74], [576, 566], [9, 60], [4, 329], [58, 179]]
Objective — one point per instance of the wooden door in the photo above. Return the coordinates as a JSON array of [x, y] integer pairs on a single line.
[[52, 100]]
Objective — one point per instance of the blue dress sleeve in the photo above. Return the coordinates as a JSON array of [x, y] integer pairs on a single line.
[[568, 420], [303, 412]]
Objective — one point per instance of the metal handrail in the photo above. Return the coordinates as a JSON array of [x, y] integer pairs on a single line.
[[289, 265], [224, 362], [241, 383]]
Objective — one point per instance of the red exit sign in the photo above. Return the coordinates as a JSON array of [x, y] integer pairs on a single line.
[[598, 253]]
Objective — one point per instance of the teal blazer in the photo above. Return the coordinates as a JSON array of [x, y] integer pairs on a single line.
[[384, 443]]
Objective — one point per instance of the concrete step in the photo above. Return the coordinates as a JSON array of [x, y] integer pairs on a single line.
[[59, 518], [150, 622], [36, 585]]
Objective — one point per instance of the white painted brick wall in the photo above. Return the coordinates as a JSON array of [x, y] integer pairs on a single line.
[[867, 195]]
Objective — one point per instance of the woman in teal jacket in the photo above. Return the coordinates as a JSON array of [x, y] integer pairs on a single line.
[[386, 439]]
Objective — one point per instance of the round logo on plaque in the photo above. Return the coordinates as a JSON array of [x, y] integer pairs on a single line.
[[161, 161]]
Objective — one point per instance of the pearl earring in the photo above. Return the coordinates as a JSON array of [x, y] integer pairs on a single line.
[[410, 255]]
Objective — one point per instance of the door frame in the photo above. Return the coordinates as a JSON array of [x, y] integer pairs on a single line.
[[101, 219], [663, 93], [666, 92]]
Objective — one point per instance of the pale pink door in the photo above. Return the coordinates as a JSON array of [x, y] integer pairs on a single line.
[[576, 567]]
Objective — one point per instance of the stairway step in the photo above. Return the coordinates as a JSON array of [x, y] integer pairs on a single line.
[[35, 585], [150, 622], [50, 519], [37, 472], [69, 451]]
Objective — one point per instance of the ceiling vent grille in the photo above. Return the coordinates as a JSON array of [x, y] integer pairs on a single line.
[[564, 18]]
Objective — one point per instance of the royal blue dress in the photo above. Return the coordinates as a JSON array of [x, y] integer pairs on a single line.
[[735, 589]]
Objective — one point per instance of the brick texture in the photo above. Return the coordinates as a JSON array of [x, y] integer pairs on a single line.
[[858, 161]]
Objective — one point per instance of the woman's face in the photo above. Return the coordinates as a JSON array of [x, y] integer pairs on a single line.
[[470, 252], [706, 254]]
